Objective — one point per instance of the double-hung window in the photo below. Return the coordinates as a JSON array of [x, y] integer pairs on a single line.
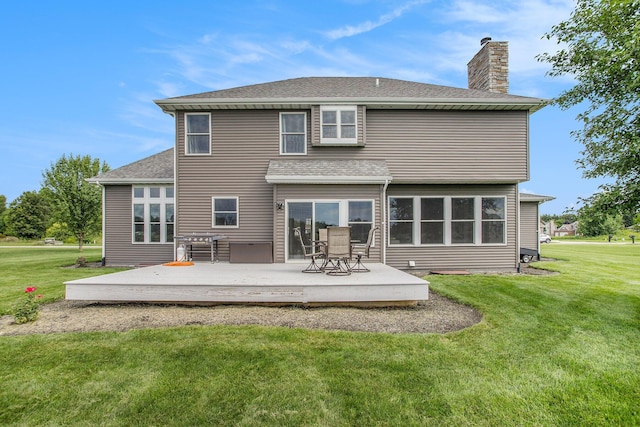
[[293, 133], [493, 220], [462, 220], [401, 220], [198, 133], [338, 124], [153, 214], [225, 212], [447, 220], [432, 220]]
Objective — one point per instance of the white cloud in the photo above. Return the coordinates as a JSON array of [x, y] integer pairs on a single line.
[[364, 27]]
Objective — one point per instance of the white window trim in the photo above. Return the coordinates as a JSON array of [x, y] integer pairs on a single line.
[[339, 139], [146, 201], [213, 212], [281, 134], [186, 134], [477, 238]]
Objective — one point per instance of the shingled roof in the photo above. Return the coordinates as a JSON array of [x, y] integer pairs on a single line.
[[375, 92], [156, 169], [530, 197], [319, 171]]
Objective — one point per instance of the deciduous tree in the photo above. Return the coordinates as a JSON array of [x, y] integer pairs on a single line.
[[3, 209], [600, 48], [76, 202], [28, 215]]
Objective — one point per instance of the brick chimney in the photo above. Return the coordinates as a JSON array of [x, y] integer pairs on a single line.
[[489, 68]]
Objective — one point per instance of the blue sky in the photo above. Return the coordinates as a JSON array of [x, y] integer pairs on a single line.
[[80, 77]]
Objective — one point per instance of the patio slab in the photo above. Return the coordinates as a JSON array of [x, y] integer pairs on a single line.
[[223, 282]]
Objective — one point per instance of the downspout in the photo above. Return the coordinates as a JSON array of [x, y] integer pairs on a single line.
[[518, 227], [383, 208]]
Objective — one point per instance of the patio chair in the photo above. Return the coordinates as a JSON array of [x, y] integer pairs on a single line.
[[313, 253], [360, 250], [322, 241], [338, 251]]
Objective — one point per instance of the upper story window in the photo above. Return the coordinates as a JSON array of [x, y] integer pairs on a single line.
[[338, 124], [293, 133], [198, 133], [153, 215]]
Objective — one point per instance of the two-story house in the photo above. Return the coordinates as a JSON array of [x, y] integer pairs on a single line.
[[436, 168]]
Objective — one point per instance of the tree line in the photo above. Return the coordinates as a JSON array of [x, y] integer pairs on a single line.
[[66, 205]]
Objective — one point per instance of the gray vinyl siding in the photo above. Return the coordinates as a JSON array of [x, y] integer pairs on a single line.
[[119, 249], [419, 146], [286, 192], [470, 257], [442, 146], [242, 144], [529, 225]]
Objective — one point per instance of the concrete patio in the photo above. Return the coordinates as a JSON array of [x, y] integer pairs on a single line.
[[223, 282]]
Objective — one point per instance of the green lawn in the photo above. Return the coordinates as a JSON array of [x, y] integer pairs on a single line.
[[42, 267], [552, 350]]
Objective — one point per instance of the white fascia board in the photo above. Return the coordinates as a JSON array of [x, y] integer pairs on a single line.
[[310, 179], [532, 104], [535, 198]]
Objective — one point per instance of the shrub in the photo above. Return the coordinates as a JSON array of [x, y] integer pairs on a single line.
[[27, 309]]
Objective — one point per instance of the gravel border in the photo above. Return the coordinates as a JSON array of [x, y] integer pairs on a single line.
[[437, 315]]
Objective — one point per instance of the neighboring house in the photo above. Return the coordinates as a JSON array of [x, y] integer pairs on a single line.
[[567, 229], [436, 168]]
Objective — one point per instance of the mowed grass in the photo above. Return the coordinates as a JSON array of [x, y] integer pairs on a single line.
[[45, 267], [552, 350]]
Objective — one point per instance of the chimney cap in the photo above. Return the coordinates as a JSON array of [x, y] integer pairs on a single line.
[[485, 40]]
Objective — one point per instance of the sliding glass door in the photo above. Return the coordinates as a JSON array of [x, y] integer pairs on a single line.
[[311, 216]]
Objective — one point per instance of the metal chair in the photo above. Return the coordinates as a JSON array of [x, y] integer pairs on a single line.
[[338, 251], [360, 250], [313, 253]]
